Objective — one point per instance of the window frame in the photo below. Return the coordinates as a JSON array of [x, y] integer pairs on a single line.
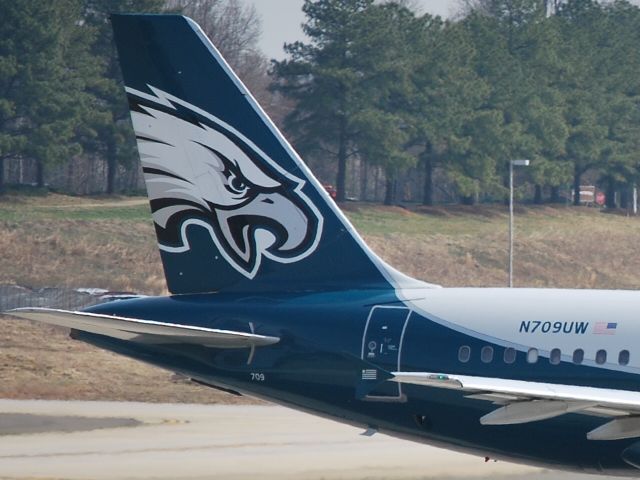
[[627, 359], [467, 349], [581, 355], [510, 360], [555, 356], [487, 348]]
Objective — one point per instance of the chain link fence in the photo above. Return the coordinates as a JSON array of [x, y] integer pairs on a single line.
[[15, 296]]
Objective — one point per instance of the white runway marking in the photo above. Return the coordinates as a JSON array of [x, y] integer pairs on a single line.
[[230, 442]]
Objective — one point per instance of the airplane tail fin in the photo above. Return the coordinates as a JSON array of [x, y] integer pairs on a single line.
[[233, 205]]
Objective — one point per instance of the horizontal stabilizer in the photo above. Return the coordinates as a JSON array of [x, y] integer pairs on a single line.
[[143, 331]]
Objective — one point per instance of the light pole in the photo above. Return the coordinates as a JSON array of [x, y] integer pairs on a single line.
[[512, 163]]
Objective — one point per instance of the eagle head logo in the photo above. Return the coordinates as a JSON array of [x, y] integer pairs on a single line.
[[201, 171]]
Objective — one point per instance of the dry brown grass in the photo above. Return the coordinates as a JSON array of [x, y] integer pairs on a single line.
[[110, 243], [97, 253], [40, 246], [555, 247], [39, 361]]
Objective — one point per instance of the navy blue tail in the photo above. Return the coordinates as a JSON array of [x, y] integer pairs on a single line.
[[233, 205]]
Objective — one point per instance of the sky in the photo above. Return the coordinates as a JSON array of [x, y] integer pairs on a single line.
[[281, 20]]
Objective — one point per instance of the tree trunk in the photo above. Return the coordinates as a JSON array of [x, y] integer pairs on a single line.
[[390, 191], [1, 174], [341, 176], [364, 180], [376, 182], [577, 177], [112, 166], [71, 180], [537, 198], [611, 194], [427, 192], [624, 197], [468, 199], [39, 173], [505, 184], [555, 195]]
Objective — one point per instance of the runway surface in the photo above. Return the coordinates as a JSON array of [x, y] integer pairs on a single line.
[[110, 440]]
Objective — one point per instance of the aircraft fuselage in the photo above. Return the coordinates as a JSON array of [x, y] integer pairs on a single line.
[[328, 339]]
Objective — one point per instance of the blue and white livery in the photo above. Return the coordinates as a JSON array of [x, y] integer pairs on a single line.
[[274, 294]]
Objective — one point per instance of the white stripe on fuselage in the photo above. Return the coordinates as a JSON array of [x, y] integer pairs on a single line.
[[526, 318]]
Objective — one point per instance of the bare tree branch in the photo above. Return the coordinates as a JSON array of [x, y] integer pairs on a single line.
[[235, 30]]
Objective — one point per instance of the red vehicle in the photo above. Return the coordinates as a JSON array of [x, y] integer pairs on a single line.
[[331, 190]]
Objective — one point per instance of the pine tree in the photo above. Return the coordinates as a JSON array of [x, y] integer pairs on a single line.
[[323, 77], [386, 59], [517, 48], [43, 60], [449, 97], [109, 134]]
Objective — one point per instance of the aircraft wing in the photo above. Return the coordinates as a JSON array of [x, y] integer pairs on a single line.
[[143, 331], [523, 402]]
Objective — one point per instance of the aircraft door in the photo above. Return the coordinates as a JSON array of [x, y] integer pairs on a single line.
[[382, 346]]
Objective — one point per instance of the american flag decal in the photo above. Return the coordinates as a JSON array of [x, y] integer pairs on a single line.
[[369, 374], [605, 328]]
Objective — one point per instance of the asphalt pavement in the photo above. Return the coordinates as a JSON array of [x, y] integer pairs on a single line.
[[117, 441]]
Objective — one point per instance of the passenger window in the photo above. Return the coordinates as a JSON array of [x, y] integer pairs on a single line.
[[532, 355], [509, 355], [486, 354], [555, 356], [601, 357], [623, 358], [578, 356], [464, 354]]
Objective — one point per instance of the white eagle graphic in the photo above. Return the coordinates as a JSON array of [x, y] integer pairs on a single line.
[[200, 171]]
